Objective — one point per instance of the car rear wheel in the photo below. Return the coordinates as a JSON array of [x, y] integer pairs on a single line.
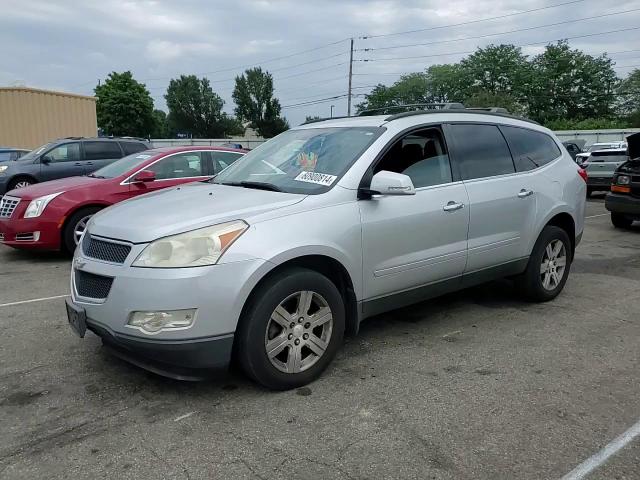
[[620, 221], [292, 329], [75, 227], [548, 267]]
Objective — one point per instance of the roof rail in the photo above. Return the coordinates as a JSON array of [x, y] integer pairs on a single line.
[[490, 109], [413, 106], [315, 120], [494, 111]]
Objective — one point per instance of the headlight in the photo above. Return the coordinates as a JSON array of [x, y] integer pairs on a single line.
[[3, 168], [37, 206], [200, 247], [623, 180]]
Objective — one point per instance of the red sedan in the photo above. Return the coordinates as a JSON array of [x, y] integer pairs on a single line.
[[53, 215]]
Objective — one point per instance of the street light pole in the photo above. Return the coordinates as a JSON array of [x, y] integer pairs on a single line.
[[332, 107]]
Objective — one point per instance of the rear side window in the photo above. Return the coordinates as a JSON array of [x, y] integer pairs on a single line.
[[481, 151], [180, 165], [530, 149], [101, 150], [132, 147]]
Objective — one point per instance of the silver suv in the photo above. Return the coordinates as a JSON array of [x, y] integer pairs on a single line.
[[294, 245]]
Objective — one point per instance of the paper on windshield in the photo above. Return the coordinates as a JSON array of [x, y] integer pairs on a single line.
[[315, 177]]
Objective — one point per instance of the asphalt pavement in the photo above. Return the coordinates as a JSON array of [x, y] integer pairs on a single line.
[[474, 385]]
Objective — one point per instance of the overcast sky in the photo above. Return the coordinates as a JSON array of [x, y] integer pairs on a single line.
[[68, 45]]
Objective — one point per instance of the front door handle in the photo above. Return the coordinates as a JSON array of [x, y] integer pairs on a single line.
[[525, 193], [452, 206]]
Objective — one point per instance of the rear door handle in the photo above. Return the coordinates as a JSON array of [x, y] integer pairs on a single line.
[[78, 164], [525, 193], [452, 206]]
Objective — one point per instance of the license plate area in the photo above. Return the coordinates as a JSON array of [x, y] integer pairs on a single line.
[[77, 318]]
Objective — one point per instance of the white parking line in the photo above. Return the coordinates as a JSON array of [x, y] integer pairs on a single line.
[[11, 304], [599, 215], [590, 464]]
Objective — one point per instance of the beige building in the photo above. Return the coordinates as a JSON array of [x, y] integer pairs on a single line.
[[30, 117]]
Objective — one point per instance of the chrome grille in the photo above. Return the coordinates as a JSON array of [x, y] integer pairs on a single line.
[[8, 206], [92, 286], [105, 251]]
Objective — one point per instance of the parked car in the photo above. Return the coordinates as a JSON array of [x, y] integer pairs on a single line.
[[574, 147], [11, 154], [624, 200], [319, 228], [53, 215], [584, 156], [67, 157], [600, 168]]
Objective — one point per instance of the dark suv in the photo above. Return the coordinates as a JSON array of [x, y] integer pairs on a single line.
[[624, 200], [67, 157]]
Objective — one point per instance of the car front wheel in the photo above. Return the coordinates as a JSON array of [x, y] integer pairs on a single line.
[[292, 329], [76, 226], [620, 221]]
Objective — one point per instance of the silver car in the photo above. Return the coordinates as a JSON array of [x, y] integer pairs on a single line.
[[283, 253]]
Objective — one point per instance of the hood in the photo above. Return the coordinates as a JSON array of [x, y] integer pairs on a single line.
[[188, 207], [633, 145], [55, 186]]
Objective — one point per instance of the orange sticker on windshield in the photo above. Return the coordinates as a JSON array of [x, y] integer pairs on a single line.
[[308, 161]]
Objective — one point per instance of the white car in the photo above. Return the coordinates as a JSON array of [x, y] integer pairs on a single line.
[[584, 156]]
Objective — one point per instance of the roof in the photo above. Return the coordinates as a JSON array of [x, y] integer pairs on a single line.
[[428, 116], [47, 92], [187, 148]]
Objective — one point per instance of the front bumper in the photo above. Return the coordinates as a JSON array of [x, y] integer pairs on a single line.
[[624, 204], [30, 233], [218, 293]]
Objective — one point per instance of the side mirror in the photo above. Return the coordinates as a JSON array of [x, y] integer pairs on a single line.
[[144, 176], [390, 183], [45, 159]]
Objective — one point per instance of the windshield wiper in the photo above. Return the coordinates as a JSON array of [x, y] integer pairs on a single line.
[[257, 185], [95, 176]]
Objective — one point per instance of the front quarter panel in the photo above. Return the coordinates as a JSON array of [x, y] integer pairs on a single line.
[[333, 231]]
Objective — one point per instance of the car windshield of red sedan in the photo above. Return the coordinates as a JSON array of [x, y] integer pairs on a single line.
[[122, 166]]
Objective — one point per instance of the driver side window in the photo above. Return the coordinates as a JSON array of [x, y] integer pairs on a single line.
[[69, 152], [422, 155]]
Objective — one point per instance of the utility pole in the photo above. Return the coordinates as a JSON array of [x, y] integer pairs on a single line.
[[350, 76], [332, 107]]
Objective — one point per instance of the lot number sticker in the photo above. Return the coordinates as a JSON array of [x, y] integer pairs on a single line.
[[313, 177]]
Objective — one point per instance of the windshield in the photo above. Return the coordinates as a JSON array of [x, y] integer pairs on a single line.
[[305, 161], [122, 166], [34, 153]]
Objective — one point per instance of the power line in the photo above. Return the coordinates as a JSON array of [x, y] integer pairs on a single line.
[[325, 93], [498, 33], [515, 45], [366, 37]]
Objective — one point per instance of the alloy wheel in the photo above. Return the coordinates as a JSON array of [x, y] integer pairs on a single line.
[[81, 226], [22, 184], [298, 332], [554, 263]]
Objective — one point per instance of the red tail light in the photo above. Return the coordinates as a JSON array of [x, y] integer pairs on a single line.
[[583, 173]]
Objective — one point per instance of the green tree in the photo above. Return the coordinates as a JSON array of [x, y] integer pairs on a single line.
[[255, 103], [446, 83], [494, 99], [196, 109], [571, 84], [628, 104], [124, 106], [496, 70], [160, 127]]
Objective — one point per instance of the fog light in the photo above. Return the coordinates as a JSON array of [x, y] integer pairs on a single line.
[[154, 322]]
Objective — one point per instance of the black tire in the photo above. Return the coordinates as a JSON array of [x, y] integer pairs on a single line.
[[589, 192], [620, 221], [250, 347], [13, 184], [68, 241], [530, 283]]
